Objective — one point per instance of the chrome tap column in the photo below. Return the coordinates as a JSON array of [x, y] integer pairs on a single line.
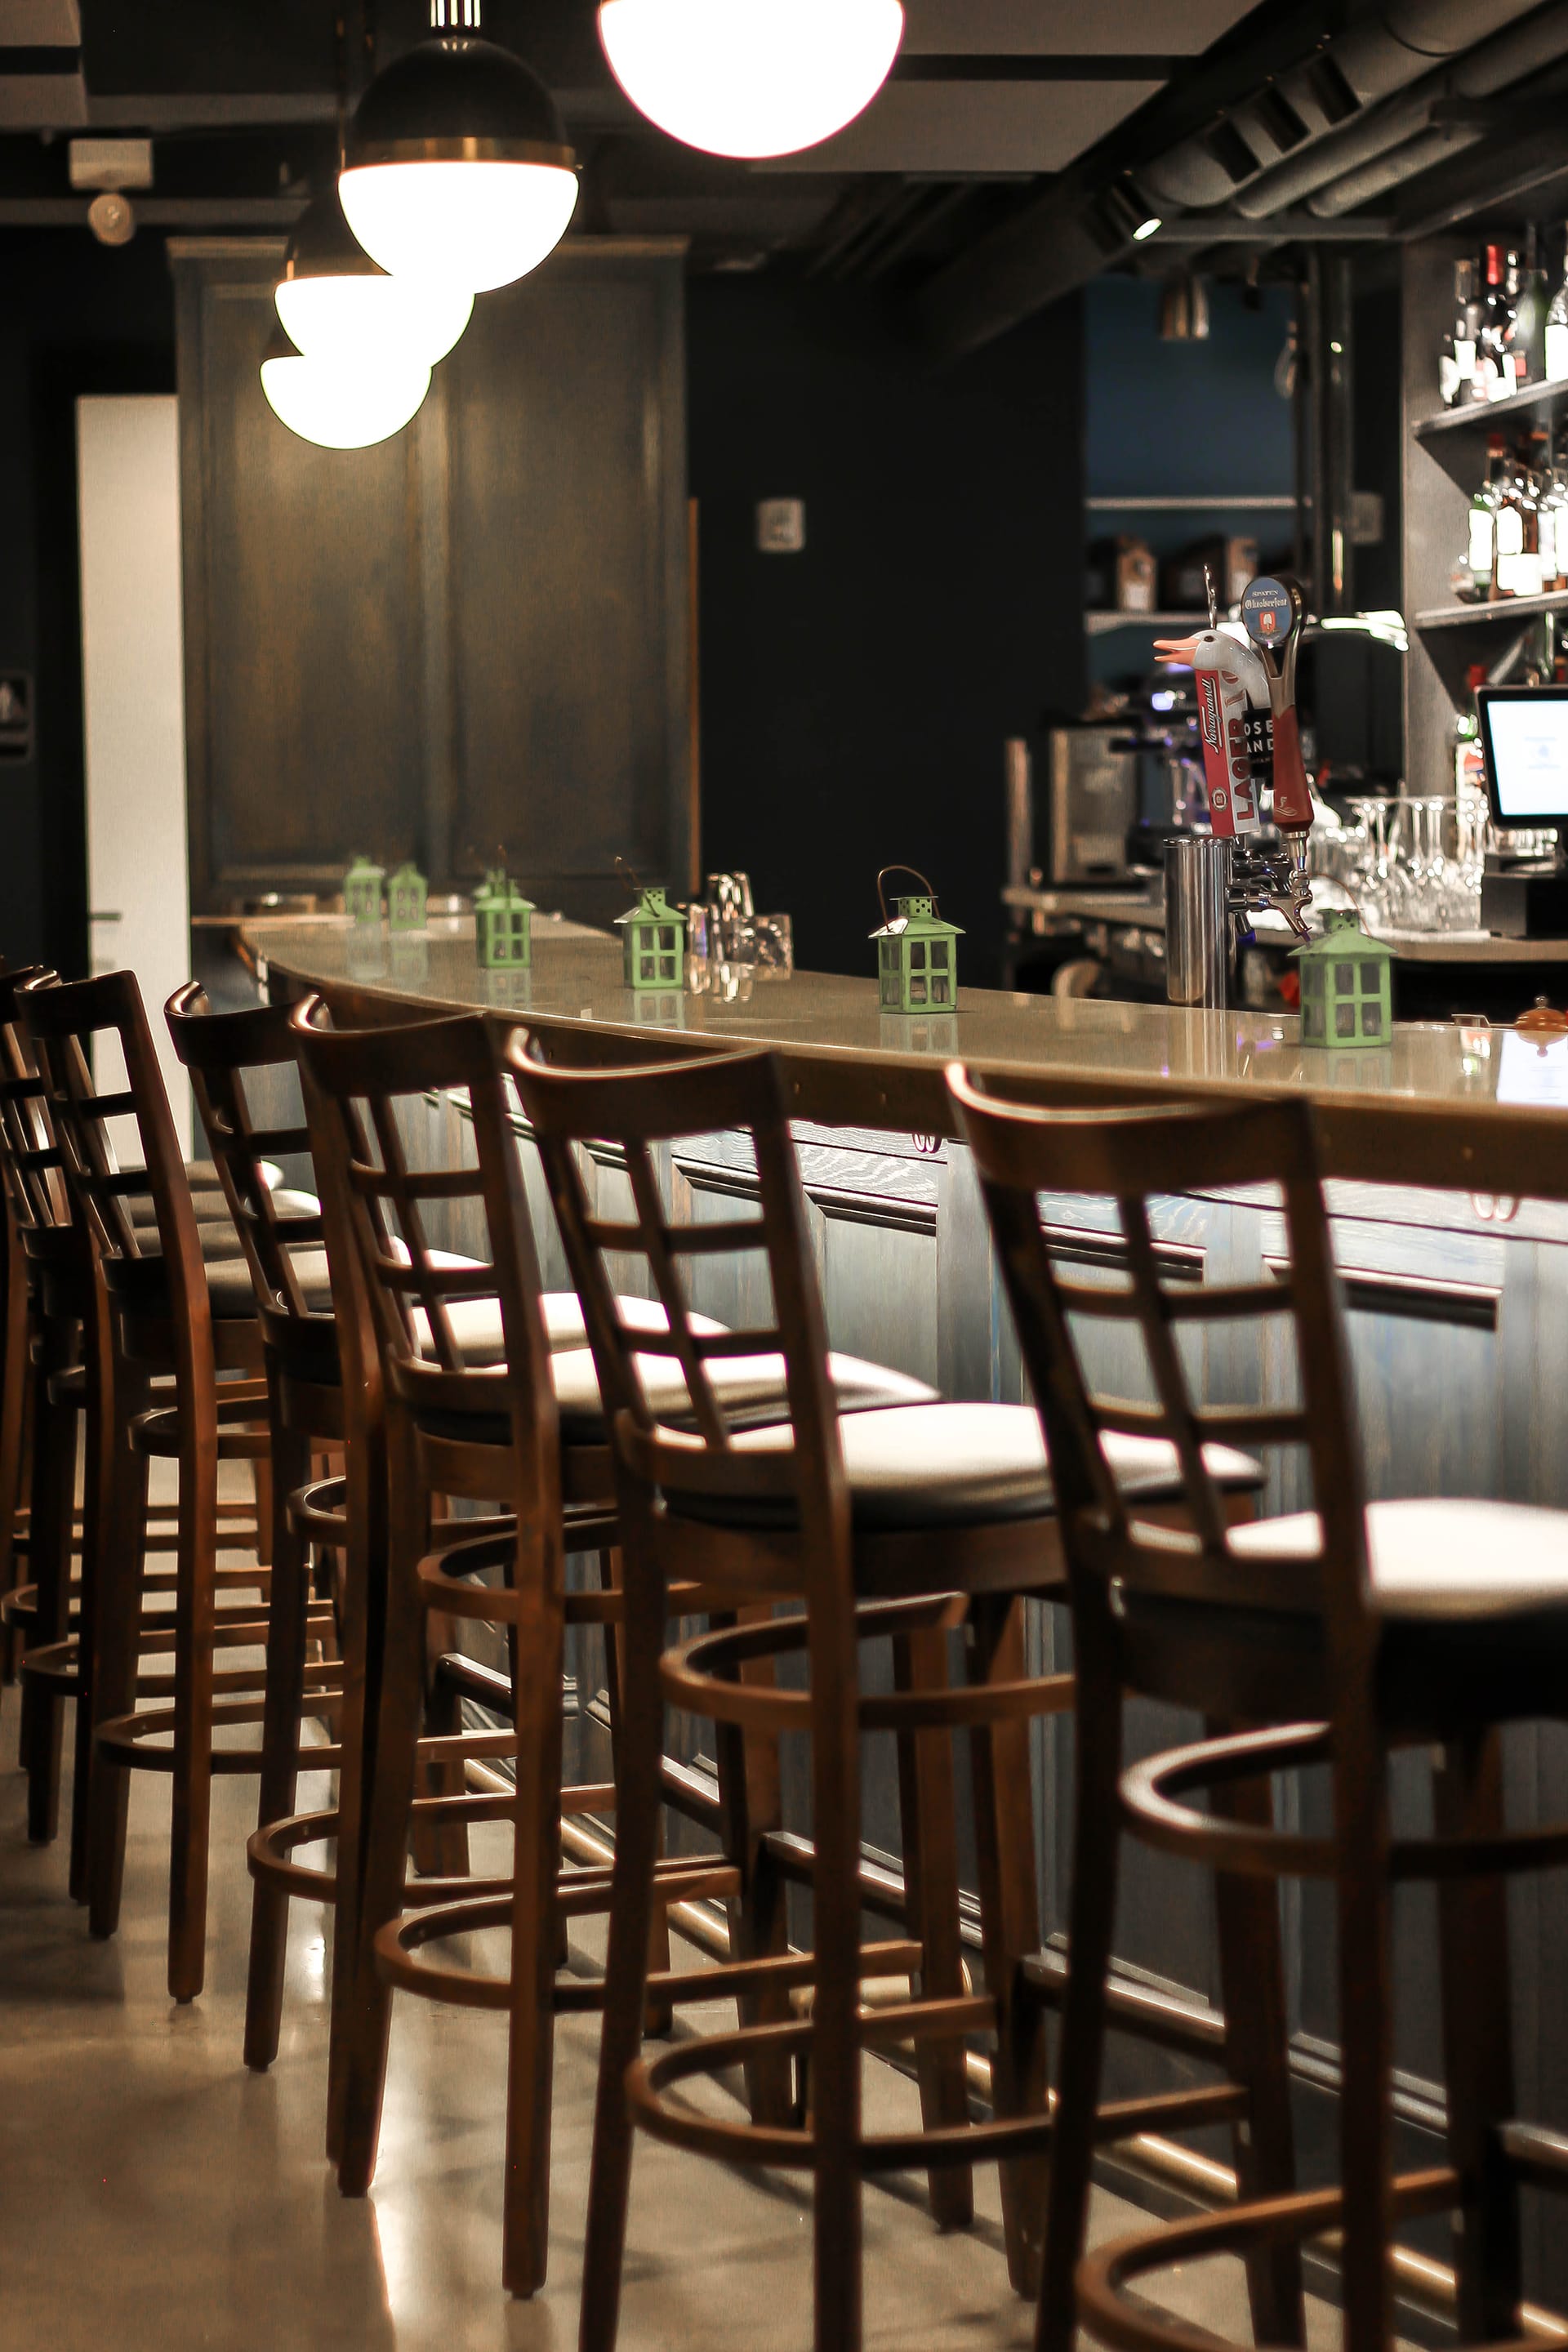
[[1199, 937]]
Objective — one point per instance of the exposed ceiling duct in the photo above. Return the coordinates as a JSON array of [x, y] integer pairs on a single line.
[[1373, 60], [1332, 174]]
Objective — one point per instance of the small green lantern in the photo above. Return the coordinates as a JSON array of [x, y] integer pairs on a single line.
[[918, 959], [504, 924], [654, 935], [407, 897], [361, 890], [1346, 985]]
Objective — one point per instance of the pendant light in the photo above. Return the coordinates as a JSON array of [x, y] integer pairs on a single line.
[[342, 403], [335, 301], [750, 78], [458, 166]]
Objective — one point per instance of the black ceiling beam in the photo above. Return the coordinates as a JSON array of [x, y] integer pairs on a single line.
[[1273, 229], [987, 66], [1049, 244]]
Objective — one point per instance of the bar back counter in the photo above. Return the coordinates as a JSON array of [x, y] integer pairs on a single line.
[[1448, 1154]]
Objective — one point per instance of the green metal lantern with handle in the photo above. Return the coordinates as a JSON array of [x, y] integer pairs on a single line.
[[361, 890], [918, 952], [504, 924], [1347, 996], [653, 934], [407, 899]]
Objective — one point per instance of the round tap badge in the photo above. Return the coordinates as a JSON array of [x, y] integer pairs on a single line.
[[1269, 611]]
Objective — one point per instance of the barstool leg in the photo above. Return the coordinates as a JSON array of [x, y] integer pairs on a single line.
[[117, 1625], [750, 1803], [1366, 2024], [537, 1660], [660, 2015], [286, 1640], [929, 1817], [386, 1834], [1010, 1927], [195, 1596], [15, 1375], [836, 2006], [362, 1617], [1256, 2037], [98, 1428], [1472, 1918], [54, 1496], [1091, 1919], [626, 1970]]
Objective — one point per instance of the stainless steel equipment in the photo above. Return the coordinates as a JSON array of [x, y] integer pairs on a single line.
[[1200, 938], [1093, 802]]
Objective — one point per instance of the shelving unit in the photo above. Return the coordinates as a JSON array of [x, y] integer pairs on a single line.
[[1101, 624], [1492, 414], [1445, 457], [1514, 609], [1274, 502]]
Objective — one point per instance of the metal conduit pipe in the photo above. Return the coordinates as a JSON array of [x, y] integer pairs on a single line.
[[1507, 57], [1373, 60]]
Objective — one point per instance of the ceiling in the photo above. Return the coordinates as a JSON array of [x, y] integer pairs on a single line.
[[978, 185]]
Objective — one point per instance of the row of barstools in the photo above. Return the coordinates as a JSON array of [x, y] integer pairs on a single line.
[[434, 1435]]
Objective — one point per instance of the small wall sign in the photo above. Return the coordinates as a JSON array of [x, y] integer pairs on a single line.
[[781, 527], [15, 715]]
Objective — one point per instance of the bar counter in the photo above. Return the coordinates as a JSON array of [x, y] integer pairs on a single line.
[[1467, 1106], [1447, 1156]]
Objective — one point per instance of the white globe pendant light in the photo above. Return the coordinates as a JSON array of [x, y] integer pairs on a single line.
[[335, 302], [750, 78], [341, 404], [458, 166]]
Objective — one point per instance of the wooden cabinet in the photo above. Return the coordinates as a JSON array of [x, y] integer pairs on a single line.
[[474, 635]]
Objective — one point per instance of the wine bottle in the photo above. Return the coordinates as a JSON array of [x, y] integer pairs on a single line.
[[1457, 362], [1557, 325], [1494, 370], [1484, 506], [1527, 342]]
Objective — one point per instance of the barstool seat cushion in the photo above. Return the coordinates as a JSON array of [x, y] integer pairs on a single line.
[[1438, 1559], [750, 1388], [931, 1465]]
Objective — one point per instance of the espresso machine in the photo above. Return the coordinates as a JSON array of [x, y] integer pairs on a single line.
[[1215, 881]]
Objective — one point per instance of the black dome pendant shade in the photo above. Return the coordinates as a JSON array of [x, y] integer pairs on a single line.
[[458, 101]]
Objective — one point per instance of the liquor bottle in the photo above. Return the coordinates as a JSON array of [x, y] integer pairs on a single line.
[[1484, 506], [1494, 367], [1528, 342], [1509, 565], [1557, 325], [1549, 501], [1526, 572], [1457, 362]]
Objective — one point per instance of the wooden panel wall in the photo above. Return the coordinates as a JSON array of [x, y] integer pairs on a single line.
[[473, 634]]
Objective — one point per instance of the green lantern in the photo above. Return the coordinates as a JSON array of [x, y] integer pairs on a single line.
[[653, 936], [407, 897], [1346, 985], [361, 890], [918, 959], [504, 924]]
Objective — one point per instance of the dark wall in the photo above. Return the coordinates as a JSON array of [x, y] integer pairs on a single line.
[[856, 697], [79, 318]]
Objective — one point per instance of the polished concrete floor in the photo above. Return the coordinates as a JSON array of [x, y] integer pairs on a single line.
[[156, 2197]]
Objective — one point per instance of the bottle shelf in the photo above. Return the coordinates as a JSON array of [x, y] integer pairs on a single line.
[[1101, 624], [1508, 608], [1488, 414], [1270, 502]]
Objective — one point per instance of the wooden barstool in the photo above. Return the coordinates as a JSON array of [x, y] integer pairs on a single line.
[[1353, 1629], [173, 1318], [481, 1407], [903, 1525]]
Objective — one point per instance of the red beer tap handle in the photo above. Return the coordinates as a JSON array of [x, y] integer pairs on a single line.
[[1292, 794]]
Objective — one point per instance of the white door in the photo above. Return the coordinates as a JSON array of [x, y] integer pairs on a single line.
[[133, 693]]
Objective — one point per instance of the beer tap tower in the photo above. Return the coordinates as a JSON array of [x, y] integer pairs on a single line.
[[1251, 739]]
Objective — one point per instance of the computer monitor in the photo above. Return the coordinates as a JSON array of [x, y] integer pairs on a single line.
[[1524, 745]]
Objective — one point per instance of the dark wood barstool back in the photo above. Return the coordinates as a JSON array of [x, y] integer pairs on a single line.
[[478, 1364], [163, 1325], [235, 1059], [761, 1510], [1426, 1622]]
